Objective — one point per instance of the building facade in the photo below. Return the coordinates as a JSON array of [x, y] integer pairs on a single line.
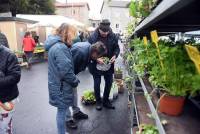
[[14, 29], [94, 23], [118, 13], [78, 11]]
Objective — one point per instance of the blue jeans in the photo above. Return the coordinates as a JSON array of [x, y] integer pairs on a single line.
[[60, 118], [29, 56], [75, 107]]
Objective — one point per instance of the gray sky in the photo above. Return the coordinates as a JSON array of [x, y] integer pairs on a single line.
[[95, 6]]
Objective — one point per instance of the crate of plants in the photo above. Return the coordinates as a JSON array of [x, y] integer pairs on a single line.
[[39, 49], [118, 74], [147, 129], [88, 97]]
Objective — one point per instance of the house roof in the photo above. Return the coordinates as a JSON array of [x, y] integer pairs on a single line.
[[116, 3], [121, 4], [50, 20], [75, 4], [17, 19]]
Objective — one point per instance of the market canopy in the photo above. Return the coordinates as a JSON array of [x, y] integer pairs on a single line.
[[50, 20], [171, 16]]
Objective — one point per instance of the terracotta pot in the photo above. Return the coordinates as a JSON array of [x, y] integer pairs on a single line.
[[171, 105]]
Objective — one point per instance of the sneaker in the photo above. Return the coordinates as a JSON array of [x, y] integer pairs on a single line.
[[99, 106], [71, 124], [80, 115], [108, 105]]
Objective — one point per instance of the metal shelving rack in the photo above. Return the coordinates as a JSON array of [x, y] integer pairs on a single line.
[[134, 111], [169, 17], [153, 109]]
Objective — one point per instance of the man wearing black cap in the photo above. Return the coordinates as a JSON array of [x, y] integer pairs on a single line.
[[104, 34]]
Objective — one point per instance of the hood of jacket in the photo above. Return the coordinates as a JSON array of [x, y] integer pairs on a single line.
[[51, 40]]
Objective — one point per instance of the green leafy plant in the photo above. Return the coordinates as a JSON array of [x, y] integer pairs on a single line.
[[106, 60], [178, 77], [147, 129], [141, 8], [88, 95], [128, 81], [118, 70]]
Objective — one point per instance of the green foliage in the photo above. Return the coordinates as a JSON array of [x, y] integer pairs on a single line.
[[132, 8], [147, 129], [131, 27], [141, 8], [28, 6], [89, 95], [128, 81], [106, 60], [177, 78], [118, 70]]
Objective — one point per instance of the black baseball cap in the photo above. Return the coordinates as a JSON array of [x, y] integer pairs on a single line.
[[104, 25]]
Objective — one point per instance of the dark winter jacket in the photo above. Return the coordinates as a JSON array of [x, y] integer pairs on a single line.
[[111, 43], [3, 40], [81, 55], [10, 74], [61, 77]]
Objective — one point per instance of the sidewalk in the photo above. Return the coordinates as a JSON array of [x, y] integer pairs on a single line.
[[105, 121]]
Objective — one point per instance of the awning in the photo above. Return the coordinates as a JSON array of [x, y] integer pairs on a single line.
[[171, 16]]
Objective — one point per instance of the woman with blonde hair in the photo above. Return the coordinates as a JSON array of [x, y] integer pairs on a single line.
[[61, 77]]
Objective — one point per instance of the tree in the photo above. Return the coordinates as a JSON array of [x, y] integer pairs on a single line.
[[27, 6]]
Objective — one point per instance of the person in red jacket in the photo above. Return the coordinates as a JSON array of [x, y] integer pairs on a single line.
[[28, 46]]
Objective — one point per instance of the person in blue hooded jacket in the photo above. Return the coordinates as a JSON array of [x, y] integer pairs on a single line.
[[61, 77], [82, 54]]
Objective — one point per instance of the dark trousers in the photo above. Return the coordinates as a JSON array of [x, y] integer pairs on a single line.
[[29, 56], [108, 84]]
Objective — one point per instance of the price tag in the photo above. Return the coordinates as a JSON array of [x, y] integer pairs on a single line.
[[154, 37], [194, 55], [145, 40]]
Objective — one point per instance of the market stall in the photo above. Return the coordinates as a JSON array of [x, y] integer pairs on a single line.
[[165, 72]]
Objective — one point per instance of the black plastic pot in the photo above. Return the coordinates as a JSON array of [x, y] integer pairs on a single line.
[[118, 76]]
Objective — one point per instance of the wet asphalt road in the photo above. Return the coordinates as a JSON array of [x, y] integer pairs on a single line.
[[34, 115]]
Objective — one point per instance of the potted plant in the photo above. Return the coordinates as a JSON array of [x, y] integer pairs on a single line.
[[118, 73], [177, 78], [128, 82], [88, 97]]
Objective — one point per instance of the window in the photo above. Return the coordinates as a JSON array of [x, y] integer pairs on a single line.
[[117, 25], [93, 24], [74, 12]]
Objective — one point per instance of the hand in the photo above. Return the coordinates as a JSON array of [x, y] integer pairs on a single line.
[[100, 61], [112, 60]]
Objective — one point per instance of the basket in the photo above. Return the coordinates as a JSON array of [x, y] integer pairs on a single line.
[[103, 67]]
